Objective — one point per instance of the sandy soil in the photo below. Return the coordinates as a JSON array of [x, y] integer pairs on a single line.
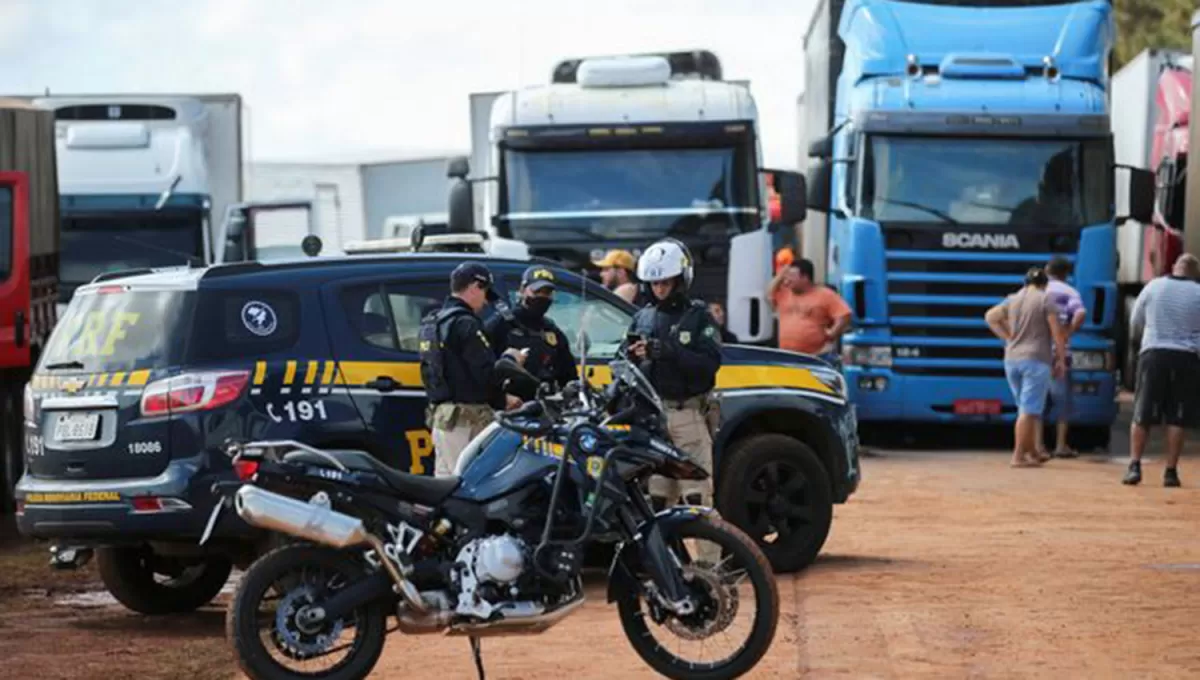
[[944, 565]]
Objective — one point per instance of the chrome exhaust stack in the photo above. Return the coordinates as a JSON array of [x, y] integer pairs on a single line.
[[319, 524]]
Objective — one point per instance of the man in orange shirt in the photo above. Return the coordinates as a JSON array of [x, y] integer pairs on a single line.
[[811, 317]]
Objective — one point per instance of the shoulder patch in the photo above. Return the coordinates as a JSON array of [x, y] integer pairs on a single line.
[[685, 337], [710, 331]]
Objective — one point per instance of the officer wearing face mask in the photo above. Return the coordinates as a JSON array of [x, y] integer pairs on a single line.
[[549, 355]]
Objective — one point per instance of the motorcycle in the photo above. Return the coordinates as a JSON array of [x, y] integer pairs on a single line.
[[498, 548]]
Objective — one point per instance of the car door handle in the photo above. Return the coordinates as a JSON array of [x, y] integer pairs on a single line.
[[383, 383]]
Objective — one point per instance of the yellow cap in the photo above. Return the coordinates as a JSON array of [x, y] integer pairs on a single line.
[[617, 258]]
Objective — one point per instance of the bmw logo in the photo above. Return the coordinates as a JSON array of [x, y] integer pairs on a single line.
[[587, 442]]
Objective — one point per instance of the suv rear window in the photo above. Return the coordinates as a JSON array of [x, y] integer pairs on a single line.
[[119, 331]]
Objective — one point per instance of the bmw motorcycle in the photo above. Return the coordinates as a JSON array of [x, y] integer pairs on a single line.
[[498, 548]]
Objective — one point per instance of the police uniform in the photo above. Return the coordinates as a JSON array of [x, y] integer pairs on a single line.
[[457, 365], [682, 359], [549, 358]]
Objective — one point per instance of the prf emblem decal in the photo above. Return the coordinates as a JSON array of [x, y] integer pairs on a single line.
[[685, 337], [259, 318], [551, 339], [73, 385]]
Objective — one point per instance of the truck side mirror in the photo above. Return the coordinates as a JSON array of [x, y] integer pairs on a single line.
[[819, 185], [461, 219], [793, 203], [1141, 195], [458, 167], [821, 148]]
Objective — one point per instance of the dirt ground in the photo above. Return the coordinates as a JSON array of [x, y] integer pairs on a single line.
[[946, 564]]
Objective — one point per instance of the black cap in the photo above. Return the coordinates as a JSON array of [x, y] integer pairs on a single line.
[[470, 272], [537, 278]]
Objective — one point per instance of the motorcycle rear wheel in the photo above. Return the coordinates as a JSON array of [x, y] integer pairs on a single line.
[[741, 550], [243, 626]]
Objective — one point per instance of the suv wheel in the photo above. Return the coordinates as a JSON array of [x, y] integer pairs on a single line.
[[155, 584], [776, 490]]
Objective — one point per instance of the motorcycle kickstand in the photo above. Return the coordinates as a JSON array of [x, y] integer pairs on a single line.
[[477, 652]]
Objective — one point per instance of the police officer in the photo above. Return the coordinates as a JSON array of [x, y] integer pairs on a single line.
[[549, 355], [678, 347], [457, 365]]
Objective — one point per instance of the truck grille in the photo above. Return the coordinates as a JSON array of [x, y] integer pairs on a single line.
[[936, 303]]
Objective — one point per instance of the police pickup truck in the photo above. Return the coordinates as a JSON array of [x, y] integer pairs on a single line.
[[148, 375]]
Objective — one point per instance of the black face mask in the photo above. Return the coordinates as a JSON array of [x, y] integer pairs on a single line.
[[538, 306]]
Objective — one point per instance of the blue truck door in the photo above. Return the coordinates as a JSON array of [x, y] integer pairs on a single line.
[[374, 324]]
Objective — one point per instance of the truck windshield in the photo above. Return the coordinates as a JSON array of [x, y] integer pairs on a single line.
[[1026, 183], [602, 194], [94, 245]]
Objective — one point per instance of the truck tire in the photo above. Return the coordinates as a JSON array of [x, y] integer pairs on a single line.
[[776, 490], [1128, 348], [1095, 438], [129, 575]]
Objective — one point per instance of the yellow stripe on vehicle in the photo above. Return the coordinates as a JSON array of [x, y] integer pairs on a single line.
[[407, 373], [327, 378], [117, 379], [138, 378], [290, 374], [260, 372], [311, 374]]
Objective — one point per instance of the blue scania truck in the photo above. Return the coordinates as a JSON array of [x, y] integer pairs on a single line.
[[953, 146]]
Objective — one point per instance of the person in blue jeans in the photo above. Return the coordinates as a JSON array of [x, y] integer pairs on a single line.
[[1035, 350]]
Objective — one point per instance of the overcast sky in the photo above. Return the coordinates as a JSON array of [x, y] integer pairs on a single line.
[[345, 77]]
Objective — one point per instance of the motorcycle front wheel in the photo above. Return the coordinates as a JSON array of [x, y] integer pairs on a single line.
[[271, 622], [732, 583]]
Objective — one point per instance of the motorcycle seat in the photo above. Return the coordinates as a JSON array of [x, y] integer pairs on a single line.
[[417, 488]]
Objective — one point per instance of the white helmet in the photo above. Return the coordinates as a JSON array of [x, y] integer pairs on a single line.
[[665, 260]]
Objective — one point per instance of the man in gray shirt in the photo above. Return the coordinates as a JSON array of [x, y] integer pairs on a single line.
[[1035, 350], [1168, 378]]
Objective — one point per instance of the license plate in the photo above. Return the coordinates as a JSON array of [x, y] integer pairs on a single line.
[[977, 407], [74, 427]]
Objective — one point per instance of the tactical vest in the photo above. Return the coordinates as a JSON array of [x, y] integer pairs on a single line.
[[432, 344]]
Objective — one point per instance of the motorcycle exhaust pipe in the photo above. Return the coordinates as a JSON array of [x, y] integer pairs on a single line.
[[326, 526], [276, 512]]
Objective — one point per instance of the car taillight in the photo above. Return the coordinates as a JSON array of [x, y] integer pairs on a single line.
[[246, 469], [193, 392]]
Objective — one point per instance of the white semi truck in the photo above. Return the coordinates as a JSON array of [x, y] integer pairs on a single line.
[[146, 181], [620, 151]]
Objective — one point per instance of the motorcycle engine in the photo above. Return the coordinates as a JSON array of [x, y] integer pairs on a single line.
[[488, 569]]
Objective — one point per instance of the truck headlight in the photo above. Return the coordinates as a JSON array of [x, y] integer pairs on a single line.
[[867, 355], [1092, 361]]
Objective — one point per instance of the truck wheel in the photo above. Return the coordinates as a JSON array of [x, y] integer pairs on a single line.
[[1088, 439], [776, 490], [154, 584]]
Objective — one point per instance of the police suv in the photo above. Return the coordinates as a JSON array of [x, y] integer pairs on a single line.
[[148, 375]]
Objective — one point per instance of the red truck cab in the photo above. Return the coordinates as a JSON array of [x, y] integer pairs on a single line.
[[29, 243], [1164, 237]]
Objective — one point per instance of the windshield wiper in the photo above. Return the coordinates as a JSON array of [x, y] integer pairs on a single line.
[[924, 208], [63, 365]]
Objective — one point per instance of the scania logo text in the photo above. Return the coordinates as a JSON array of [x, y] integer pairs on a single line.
[[990, 241]]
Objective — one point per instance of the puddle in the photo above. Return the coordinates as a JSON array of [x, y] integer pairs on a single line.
[[101, 598]]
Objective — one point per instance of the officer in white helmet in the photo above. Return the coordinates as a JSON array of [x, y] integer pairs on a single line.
[[677, 344]]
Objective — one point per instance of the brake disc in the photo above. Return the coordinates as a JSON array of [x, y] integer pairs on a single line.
[[706, 623], [302, 640]]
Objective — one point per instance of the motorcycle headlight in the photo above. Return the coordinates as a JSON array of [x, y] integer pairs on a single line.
[[867, 355], [1092, 361]]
